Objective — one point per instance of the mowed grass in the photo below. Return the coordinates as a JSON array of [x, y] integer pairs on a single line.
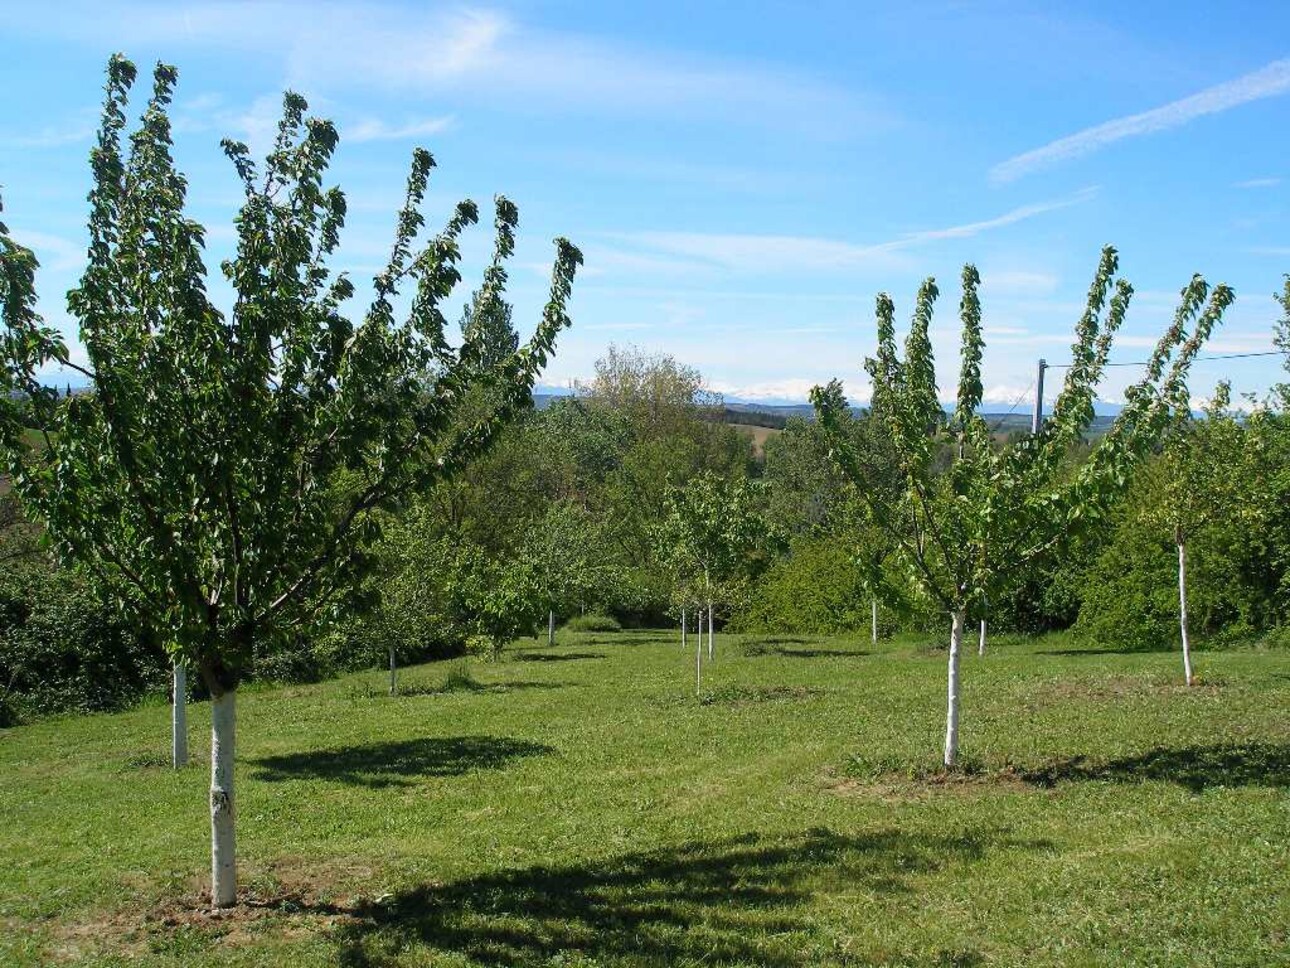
[[579, 806]]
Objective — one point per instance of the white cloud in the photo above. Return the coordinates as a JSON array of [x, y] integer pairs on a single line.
[[1258, 183], [471, 54], [786, 390], [789, 253], [52, 137], [1269, 81], [54, 252], [374, 129]]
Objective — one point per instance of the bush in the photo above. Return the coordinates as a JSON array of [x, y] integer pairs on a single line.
[[817, 589], [593, 623], [64, 650]]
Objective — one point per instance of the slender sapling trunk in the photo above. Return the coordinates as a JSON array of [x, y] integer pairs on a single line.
[[394, 682], [953, 691], [1182, 609], [683, 631], [223, 853], [179, 717], [711, 645], [698, 659], [874, 633], [985, 608], [550, 627]]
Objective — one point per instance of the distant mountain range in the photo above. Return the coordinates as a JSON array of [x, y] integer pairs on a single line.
[[1002, 421]]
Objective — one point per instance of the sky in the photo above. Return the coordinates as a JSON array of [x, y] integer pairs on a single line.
[[743, 178]]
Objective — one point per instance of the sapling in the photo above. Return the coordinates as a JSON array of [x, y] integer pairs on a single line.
[[227, 468], [968, 514]]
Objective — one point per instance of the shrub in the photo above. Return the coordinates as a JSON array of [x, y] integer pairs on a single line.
[[62, 649], [593, 623]]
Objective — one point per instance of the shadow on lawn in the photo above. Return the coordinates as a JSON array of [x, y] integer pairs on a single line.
[[557, 656], [397, 764], [734, 901], [1194, 767]]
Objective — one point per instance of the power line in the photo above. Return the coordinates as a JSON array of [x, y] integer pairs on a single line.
[[1199, 359], [1015, 404]]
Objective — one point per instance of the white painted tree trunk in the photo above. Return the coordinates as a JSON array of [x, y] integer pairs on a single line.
[[874, 633], [980, 648], [223, 853], [179, 717], [1182, 610], [684, 640], [711, 645], [698, 658], [953, 690], [394, 681], [550, 627]]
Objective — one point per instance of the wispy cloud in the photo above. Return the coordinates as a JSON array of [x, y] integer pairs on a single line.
[[1269, 81], [1258, 183], [52, 137], [788, 253], [374, 129], [54, 252], [476, 55]]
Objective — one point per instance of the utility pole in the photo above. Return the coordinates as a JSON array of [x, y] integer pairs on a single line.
[[1037, 420]]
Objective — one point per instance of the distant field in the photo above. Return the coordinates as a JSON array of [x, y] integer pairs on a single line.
[[578, 806], [759, 435]]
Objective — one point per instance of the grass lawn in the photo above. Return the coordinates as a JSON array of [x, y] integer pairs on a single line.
[[579, 806]]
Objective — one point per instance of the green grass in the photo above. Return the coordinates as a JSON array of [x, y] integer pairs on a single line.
[[580, 806]]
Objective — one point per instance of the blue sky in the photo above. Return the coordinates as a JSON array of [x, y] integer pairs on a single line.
[[743, 178]]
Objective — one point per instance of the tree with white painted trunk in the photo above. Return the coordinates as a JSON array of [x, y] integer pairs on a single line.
[[714, 537], [1203, 485], [226, 470], [970, 514]]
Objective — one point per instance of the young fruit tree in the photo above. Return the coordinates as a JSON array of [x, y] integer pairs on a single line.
[[226, 470], [969, 514], [713, 535], [1202, 485]]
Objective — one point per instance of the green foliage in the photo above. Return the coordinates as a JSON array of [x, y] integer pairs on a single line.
[[1220, 485], [966, 516], [62, 649], [199, 475], [592, 622], [818, 588], [715, 537]]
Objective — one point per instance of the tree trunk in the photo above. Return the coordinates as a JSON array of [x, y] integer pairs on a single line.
[[223, 853], [874, 633], [683, 631], [179, 717], [550, 627], [698, 658], [711, 645], [394, 682], [1182, 610], [980, 648], [953, 691]]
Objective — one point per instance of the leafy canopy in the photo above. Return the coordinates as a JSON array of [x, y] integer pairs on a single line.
[[228, 467], [967, 514]]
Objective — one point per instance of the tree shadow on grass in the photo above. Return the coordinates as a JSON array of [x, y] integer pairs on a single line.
[[557, 656], [1193, 767], [399, 763], [821, 653], [1100, 651], [734, 901]]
